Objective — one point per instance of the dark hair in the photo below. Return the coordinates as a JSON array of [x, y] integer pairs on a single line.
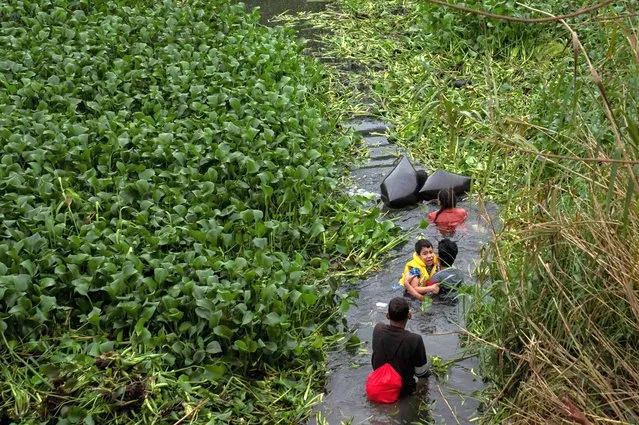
[[398, 309], [422, 176], [446, 200], [422, 243], [447, 252]]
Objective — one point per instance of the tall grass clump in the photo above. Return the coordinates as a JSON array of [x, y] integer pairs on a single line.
[[170, 212], [562, 318], [559, 321]]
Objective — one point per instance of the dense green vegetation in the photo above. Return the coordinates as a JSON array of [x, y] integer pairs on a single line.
[[547, 128], [170, 211]]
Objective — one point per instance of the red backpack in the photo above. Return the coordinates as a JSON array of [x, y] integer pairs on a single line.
[[384, 384]]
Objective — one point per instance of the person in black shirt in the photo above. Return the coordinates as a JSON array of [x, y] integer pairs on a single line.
[[403, 349]]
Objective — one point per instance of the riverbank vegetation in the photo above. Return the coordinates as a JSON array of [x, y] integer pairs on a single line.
[[544, 117], [171, 209]]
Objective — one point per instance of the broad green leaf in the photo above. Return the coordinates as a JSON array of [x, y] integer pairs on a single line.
[[20, 282], [260, 243], [247, 318], [307, 208], [240, 345], [309, 299], [317, 228], [223, 331], [106, 347], [215, 372], [47, 303], [272, 319], [160, 275], [213, 347], [235, 104]]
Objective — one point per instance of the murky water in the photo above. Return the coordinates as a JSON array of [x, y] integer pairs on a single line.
[[449, 402]]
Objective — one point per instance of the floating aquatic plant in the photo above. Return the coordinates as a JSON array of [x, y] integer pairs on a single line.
[[170, 211]]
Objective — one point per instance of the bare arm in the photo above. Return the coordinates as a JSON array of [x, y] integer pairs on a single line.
[[430, 289], [411, 287], [408, 279]]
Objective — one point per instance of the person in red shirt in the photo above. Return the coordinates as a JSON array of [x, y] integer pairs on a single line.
[[448, 216]]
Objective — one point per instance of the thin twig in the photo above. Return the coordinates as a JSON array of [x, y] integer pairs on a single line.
[[448, 404], [517, 19], [443, 333], [490, 344], [569, 158], [195, 409]]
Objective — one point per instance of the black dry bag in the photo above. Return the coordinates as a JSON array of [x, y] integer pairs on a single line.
[[441, 179], [399, 188]]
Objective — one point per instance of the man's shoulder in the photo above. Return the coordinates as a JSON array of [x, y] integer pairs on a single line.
[[381, 326], [451, 273], [398, 332], [383, 329], [412, 337]]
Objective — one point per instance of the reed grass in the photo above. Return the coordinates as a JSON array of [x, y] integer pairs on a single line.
[[566, 300], [562, 311]]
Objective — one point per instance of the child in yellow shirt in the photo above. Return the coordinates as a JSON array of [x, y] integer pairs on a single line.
[[420, 269]]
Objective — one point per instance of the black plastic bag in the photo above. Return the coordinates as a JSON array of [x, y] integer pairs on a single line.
[[400, 186], [441, 179]]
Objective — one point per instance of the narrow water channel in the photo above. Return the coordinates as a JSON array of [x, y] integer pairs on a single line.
[[450, 401]]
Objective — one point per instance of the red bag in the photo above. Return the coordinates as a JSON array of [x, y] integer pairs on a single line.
[[384, 384]]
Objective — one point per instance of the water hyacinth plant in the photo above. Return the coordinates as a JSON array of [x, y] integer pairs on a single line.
[[170, 211]]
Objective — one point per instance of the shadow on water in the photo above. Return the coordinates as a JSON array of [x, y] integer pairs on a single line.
[[448, 402]]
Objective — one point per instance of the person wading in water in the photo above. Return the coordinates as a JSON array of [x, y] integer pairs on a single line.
[[404, 350]]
